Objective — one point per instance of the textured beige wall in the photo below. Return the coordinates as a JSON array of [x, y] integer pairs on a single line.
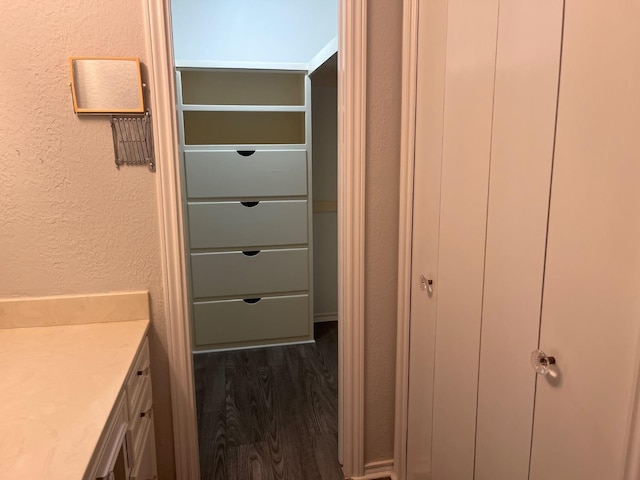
[[384, 62], [70, 223]]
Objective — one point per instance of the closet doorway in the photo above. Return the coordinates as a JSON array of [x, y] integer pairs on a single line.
[[258, 147]]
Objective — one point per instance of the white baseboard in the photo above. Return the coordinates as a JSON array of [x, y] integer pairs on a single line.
[[325, 317], [250, 347], [377, 470]]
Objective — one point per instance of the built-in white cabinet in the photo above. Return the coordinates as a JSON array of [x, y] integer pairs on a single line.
[[126, 450], [246, 170]]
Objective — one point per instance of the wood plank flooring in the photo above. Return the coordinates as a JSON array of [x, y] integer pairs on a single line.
[[270, 413]]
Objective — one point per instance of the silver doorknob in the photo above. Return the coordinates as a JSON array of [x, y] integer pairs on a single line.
[[426, 284], [541, 362]]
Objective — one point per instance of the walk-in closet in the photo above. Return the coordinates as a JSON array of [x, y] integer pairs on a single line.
[[256, 87]]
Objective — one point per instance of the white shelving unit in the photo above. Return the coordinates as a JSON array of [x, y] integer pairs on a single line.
[[245, 136]]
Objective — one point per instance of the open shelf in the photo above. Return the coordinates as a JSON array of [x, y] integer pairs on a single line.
[[243, 128], [216, 87], [243, 108]]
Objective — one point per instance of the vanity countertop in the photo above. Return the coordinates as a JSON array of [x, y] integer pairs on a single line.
[[58, 385]]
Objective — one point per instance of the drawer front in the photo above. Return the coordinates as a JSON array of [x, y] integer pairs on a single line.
[[231, 321], [249, 272], [231, 174], [144, 467], [233, 224], [139, 374], [110, 443], [141, 416]]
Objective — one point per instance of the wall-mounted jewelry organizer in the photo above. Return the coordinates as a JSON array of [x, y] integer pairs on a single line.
[[133, 140], [113, 86]]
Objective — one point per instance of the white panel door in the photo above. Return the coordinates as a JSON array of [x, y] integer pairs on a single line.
[[585, 286], [455, 178], [426, 211], [591, 299], [524, 112], [466, 148]]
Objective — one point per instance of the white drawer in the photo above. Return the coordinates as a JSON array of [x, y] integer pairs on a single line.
[[234, 321], [249, 272], [136, 380], [110, 444], [141, 416], [144, 467], [248, 173], [247, 224]]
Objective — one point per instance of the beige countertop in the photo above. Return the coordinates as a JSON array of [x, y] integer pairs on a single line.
[[58, 385]]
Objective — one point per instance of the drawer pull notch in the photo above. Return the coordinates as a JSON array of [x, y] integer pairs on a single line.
[[252, 300], [147, 413]]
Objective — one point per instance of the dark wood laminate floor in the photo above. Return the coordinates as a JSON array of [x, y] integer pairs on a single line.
[[270, 413]]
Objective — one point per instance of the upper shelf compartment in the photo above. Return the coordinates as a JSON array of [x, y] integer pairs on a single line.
[[233, 87], [243, 128]]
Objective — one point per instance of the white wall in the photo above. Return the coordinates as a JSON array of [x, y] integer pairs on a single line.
[[284, 31]]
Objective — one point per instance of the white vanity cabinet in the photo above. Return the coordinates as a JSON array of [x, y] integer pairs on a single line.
[[75, 389], [126, 450], [246, 172]]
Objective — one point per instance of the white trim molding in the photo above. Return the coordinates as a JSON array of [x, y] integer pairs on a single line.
[[323, 55], [325, 317], [351, 170], [407, 158], [278, 66], [632, 460], [382, 468], [351, 201], [162, 88], [378, 470]]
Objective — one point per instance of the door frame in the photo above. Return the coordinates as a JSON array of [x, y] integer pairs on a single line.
[[351, 190], [405, 245], [405, 235]]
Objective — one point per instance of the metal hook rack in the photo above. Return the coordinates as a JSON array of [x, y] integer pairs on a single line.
[[133, 140]]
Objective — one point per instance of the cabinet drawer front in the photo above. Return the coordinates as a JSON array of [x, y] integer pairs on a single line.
[[231, 174], [137, 377], [110, 443], [142, 415], [230, 321], [144, 465], [249, 272], [232, 224]]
